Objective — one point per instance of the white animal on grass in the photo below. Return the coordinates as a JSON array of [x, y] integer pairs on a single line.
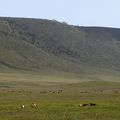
[[22, 106]]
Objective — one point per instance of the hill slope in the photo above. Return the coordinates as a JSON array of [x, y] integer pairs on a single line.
[[44, 45]]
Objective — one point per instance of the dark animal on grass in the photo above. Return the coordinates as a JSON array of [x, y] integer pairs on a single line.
[[60, 91], [49, 91], [53, 92], [87, 104], [43, 92], [91, 104]]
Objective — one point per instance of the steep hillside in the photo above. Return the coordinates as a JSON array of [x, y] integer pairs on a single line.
[[44, 45]]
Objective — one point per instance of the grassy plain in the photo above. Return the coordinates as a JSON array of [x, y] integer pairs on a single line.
[[18, 89]]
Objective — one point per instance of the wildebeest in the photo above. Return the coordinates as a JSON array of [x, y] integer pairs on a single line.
[[91, 104], [53, 92], [87, 104], [43, 92]]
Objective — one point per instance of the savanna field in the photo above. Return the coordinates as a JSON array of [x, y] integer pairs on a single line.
[[57, 100], [59, 60], [50, 70]]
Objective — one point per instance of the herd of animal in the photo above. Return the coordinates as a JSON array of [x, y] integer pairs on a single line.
[[50, 91], [34, 105]]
